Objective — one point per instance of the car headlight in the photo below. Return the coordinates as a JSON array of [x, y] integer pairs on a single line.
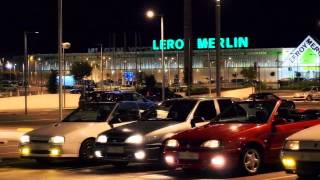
[[292, 145], [211, 144], [57, 140], [102, 139], [172, 143], [24, 139], [135, 139]]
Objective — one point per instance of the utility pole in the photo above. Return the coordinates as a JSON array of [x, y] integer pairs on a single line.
[[218, 36], [60, 57]]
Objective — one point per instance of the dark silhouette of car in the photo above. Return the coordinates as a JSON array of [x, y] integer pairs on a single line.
[[270, 97], [116, 96]]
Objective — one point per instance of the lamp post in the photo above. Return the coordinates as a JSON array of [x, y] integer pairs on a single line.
[[26, 70], [218, 35], [60, 57], [9, 66], [41, 77], [65, 45], [101, 66], [150, 14]]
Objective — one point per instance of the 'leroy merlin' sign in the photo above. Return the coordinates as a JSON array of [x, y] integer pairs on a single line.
[[202, 43], [308, 52]]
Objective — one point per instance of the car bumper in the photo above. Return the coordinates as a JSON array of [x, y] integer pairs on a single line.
[[209, 159], [128, 153], [301, 161], [42, 150]]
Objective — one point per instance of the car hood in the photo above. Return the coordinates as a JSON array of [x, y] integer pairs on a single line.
[[311, 133], [139, 127], [215, 131], [60, 129]]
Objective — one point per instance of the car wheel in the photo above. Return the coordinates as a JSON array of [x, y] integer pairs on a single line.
[[86, 150], [120, 164], [250, 161], [309, 98], [304, 176]]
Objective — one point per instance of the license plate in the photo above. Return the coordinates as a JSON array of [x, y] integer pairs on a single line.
[[115, 150], [188, 156]]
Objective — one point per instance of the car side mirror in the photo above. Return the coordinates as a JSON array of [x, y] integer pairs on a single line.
[[195, 120]]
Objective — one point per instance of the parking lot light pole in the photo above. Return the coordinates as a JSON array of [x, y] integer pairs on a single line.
[[65, 45], [60, 57], [151, 14], [218, 36], [26, 70]]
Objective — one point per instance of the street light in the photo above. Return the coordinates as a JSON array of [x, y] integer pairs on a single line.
[[65, 45], [9, 66], [151, 14], [218, 36], [26, 69]]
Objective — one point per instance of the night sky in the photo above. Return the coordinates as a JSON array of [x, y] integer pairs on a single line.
[[268, 23]]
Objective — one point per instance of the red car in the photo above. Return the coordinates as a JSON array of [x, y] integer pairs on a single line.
[[244, 137]]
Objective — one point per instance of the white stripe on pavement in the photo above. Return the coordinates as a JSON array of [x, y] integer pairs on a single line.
[[283, 177]]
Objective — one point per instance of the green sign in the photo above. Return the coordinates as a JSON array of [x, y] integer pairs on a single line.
[[202, 43]]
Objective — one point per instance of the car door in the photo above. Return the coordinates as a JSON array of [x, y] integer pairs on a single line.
[[206, 111]]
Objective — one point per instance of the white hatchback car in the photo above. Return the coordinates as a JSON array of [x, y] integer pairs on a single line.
[[74, 137], [301, 153]]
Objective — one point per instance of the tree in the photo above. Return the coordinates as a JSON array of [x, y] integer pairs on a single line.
[[80, 69], [52, 84], [249, 73]]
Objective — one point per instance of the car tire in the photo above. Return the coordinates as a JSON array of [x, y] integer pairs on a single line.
[[86, 153], [309, 98], [120, 164], [250, 161], [309, 176]]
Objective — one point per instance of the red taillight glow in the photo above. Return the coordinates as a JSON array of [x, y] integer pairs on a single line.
[[218, 161]]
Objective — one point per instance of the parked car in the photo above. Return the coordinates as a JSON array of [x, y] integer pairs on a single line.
[[116, 96], [74, 137], [244, 137], [142, 141], [301, 153], [308, 94], [155, 94], [270, 97], [76, 91]]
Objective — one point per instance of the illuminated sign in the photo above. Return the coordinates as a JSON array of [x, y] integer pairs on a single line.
[[308, 52], [202, 43]]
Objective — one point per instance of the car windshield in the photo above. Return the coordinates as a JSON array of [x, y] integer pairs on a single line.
[[247, 112], [91, 113], [174, 110]]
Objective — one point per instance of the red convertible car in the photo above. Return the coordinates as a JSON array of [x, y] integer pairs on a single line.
[[244, 137]]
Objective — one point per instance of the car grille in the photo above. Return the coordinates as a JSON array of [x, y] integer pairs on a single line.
[[40, 152], [310, 145], [39, 139]]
